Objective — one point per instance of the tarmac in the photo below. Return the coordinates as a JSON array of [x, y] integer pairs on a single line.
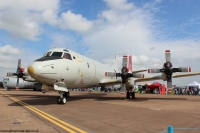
[[97, 112]]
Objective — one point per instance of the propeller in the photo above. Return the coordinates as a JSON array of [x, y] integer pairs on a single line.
[[168, 70], [19, 73], [125, 72]]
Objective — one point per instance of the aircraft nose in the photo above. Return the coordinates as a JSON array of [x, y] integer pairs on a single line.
[[30, 70]]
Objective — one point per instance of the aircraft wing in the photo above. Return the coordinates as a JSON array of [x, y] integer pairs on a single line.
[[186, 74], [137, 71], [110, 82], [157, 77]]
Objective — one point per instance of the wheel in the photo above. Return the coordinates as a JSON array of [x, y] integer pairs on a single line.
[[127, 95], [67, 94], [58, 100], [133, 95], [63, 100]]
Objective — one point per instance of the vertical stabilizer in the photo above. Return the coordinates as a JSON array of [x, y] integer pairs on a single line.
[[130, 63]]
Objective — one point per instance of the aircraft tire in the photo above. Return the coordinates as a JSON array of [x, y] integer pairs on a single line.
[[133, 95], [127, 95], [58, 100], [63, 100]]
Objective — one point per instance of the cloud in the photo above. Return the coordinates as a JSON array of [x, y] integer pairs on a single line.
[[119, 4], [24, 19], [136, 31], [74, 22], [9, 50]]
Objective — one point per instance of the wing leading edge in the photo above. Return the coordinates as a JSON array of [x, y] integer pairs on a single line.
[[186, 74]]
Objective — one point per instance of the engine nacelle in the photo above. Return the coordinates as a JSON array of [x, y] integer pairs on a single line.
[[163, 77], [130, 82]]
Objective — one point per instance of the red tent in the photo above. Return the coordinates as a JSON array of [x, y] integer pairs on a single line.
[[156, 86]]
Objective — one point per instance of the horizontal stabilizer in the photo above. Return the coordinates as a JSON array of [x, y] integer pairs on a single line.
[[138, 75], [153, 70]]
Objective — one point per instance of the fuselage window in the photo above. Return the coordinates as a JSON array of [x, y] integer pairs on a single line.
[[88, 65], [74, 57], [67, 56], [57, 54]]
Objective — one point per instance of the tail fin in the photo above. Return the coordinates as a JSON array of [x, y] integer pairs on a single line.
[[116, 62], [129, 63]]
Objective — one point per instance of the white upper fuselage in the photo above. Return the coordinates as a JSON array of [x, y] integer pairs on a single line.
[[75, 70]]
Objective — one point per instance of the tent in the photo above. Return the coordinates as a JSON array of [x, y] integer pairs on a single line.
[[194, 84]]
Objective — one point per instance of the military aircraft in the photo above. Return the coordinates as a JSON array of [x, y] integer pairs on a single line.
[[61, 69], [167, 71], [10, 83]]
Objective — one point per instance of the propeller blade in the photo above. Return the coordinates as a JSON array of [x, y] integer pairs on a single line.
[[17, 84], [124, 61], [110, 74], [123, 88], [19, 64], [168, 56], [182, 69], [9, 74], [154, 70], [138, 75]]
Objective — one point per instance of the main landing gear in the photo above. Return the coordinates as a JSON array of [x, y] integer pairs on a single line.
[[130, 93], [62, 99]]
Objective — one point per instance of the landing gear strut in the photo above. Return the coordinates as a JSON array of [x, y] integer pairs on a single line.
[[62, 99], [127, 95], [133, 95]]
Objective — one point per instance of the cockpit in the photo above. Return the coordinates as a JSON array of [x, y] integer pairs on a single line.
[[53, 55]]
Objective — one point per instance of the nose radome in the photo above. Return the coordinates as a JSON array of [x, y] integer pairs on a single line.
[[30, 70]]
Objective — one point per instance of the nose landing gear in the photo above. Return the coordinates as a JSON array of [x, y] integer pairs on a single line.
[[62, 99]]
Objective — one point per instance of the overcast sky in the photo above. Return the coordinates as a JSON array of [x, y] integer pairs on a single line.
[[97, 28]]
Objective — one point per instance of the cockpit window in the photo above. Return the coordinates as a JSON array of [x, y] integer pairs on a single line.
[[47, 54], [67, 56], [57, 54]]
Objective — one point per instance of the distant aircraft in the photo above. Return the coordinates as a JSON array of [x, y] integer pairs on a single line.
[[167, 71], [10, 83]]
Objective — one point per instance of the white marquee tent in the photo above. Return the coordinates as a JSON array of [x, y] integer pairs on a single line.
[[194, 84]]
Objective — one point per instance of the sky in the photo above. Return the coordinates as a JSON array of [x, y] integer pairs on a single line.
[[96, 29]]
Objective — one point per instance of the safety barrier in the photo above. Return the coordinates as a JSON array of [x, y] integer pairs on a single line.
[[171, 129]]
